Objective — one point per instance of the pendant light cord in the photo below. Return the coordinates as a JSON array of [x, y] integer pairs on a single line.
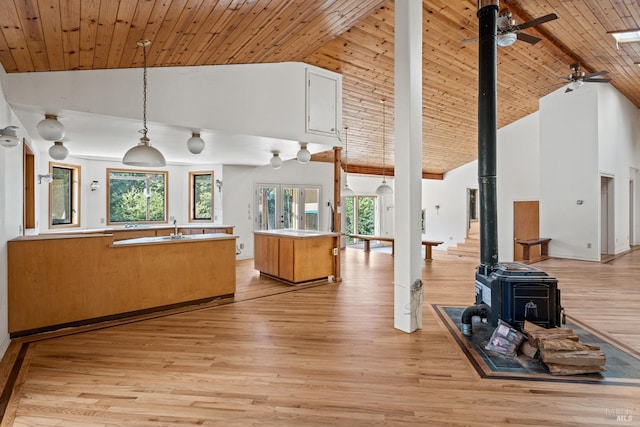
[[384, 128], [144, 44]]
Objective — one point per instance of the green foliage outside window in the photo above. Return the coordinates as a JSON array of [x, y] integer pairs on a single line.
[[61, 195], [366, 215], [365, 220], [137, 196], [203, 195]]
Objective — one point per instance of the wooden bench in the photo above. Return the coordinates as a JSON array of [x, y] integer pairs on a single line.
[[526, 245], [428, 244]]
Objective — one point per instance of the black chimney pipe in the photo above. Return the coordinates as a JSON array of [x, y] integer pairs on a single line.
[[487, 124]]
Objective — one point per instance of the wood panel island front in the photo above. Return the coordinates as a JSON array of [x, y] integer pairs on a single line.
[[73, 279], [296, 256]]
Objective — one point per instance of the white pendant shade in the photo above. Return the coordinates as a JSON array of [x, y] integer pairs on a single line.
[[144, 155], [303, 155], [276, 161], [58, 151], [384, 189], [195, 144], [507, 39], [50, 128]]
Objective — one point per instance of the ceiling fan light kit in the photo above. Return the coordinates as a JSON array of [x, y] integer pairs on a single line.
[[144, 154], [505, 40], [577, 78], [509, 31]]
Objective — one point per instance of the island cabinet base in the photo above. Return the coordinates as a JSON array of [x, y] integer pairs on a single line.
[[294, 259], [67, 281]]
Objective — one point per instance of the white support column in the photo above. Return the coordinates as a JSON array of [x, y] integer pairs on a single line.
[[408, 165]]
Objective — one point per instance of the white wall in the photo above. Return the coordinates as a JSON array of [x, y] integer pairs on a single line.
[[569, 172], [449, 222], [585, 134], [617, 140], [518, 175], [11, 203]]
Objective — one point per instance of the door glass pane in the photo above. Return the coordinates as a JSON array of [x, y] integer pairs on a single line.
[[290, 210], [266, 208], [311, 213], [349, 217], [366, 215]]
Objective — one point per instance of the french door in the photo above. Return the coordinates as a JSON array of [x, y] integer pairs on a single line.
[[287, 206]]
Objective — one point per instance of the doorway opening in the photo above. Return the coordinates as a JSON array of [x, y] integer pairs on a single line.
[[607, 216]]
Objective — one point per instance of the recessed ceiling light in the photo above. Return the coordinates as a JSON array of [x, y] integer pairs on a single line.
[[626, 36]]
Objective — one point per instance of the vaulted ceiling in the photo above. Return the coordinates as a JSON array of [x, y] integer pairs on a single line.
[[352, 37]]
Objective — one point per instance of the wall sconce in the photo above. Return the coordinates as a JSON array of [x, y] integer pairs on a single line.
[[94, 185], [437, 209], [219, 185], [46, 178], [8, 137]]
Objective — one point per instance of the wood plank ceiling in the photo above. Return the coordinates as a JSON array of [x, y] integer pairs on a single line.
[[353, 37]]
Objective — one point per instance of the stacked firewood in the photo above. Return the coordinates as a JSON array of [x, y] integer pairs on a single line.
[[561, 351]]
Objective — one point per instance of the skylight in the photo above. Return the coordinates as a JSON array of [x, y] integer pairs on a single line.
[[627, 36]]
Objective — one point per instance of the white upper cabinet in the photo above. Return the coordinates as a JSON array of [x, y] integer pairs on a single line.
[[323, 98]]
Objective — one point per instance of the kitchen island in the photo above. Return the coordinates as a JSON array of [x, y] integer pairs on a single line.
[[296, 256], [62, 280]]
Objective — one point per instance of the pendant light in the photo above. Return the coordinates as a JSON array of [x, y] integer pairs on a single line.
[[383, 189], [58, 151], [303, 155], [195, 144], [346, 191], [276, 160], [144, 154]]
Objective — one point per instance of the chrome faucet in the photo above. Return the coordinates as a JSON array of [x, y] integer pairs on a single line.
[[175, 228]]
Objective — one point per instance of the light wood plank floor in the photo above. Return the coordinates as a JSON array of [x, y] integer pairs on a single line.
[[321, 356]]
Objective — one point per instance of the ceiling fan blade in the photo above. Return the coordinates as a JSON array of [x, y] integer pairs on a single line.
[[596, 80], [528, 38], [475, 39], [538, 21], [597, 73]]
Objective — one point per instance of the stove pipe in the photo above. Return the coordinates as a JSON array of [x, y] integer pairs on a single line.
[[487, 124]]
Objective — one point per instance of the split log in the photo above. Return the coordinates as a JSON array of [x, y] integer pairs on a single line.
[[563, 344], [573, 358], [536, 337], [529, 350], [573, 370], [531, 327]]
